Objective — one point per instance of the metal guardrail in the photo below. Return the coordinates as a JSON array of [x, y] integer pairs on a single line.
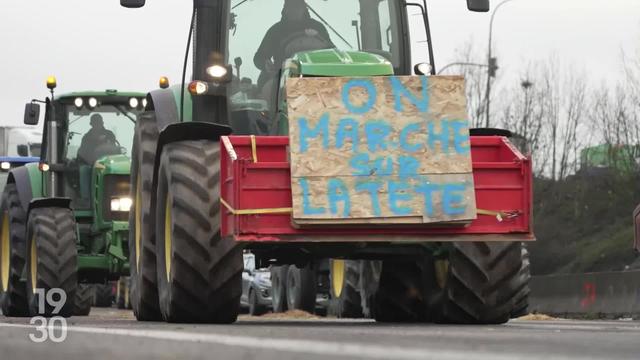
[[594, 295]]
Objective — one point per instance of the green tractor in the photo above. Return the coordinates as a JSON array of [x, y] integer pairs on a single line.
[[192, 217], [64, 219]]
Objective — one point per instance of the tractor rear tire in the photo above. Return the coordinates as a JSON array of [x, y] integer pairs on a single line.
[[199, 271], [13, 291], [83, 300], [142, 251], [103, 295], [52, 259], [522, 299], [279, 288], [301, 288], [477, 283], [482, 285], [344, 276]]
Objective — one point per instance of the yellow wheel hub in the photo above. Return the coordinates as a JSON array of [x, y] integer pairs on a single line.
[[5, 250], [167, 236], [138, 220], [337, 276], [33, 266]]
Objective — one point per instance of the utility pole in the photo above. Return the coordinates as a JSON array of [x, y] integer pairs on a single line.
[[492, 69]]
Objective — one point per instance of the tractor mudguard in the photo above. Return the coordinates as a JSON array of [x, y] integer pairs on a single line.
[[37, 203], [28, 181], [186, 131], [163, 101]]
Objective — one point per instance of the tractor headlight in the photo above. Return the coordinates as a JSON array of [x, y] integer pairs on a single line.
[[134, 102], [78, 102], [144, 103], [5, 165], [93, 102], [422, 69], [122, 204], [217, 71]]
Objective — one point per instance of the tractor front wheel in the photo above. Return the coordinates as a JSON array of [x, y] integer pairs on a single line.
[[199, 271], [52, 261], [83, 300], [103, 295]]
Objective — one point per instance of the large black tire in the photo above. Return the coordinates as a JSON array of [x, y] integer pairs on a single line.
[[522, 299], [103, 295], [13, 291], [83, 300], [199, 271], [255, 308], [279, 288], [142, 251], [344, 276], [52, 258], [369, 279], [478, 283], [301, 288], [483, 284]]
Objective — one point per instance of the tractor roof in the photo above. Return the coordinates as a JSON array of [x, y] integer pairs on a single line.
[[104, 93]]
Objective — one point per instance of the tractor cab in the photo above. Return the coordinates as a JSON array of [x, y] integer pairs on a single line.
[[95, 143], [244, 53]]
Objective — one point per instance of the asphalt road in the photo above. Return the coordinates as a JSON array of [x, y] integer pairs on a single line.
[[112, 334]]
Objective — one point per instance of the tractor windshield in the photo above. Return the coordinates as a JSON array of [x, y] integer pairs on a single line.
[[265, 33], [105, 130], [91, 134]]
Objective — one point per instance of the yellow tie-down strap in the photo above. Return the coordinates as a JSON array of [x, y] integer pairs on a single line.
[[499, 215], [256, 211]]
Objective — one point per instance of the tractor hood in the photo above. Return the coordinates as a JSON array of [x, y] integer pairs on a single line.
[[333, 62], [114, 164]]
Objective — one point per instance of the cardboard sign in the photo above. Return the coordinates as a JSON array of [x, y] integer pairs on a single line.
[[387, 150]]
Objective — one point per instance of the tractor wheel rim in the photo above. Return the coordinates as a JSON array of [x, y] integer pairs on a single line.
[[337, 276], [138, 215], [33, 264], [5, 249], [167, 236]]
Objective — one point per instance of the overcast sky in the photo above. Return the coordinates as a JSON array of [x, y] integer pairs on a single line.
[[99, 45]]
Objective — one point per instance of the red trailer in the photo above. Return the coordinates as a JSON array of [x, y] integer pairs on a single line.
[[257, 200]]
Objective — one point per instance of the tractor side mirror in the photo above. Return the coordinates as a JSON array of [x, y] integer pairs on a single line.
[[478, 5], [132, 4], [31, 114], [23, 150]]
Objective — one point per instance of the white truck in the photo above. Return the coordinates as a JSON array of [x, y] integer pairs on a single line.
[[20, 141]]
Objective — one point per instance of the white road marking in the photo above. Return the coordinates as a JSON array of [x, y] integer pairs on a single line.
[[317, 347]]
